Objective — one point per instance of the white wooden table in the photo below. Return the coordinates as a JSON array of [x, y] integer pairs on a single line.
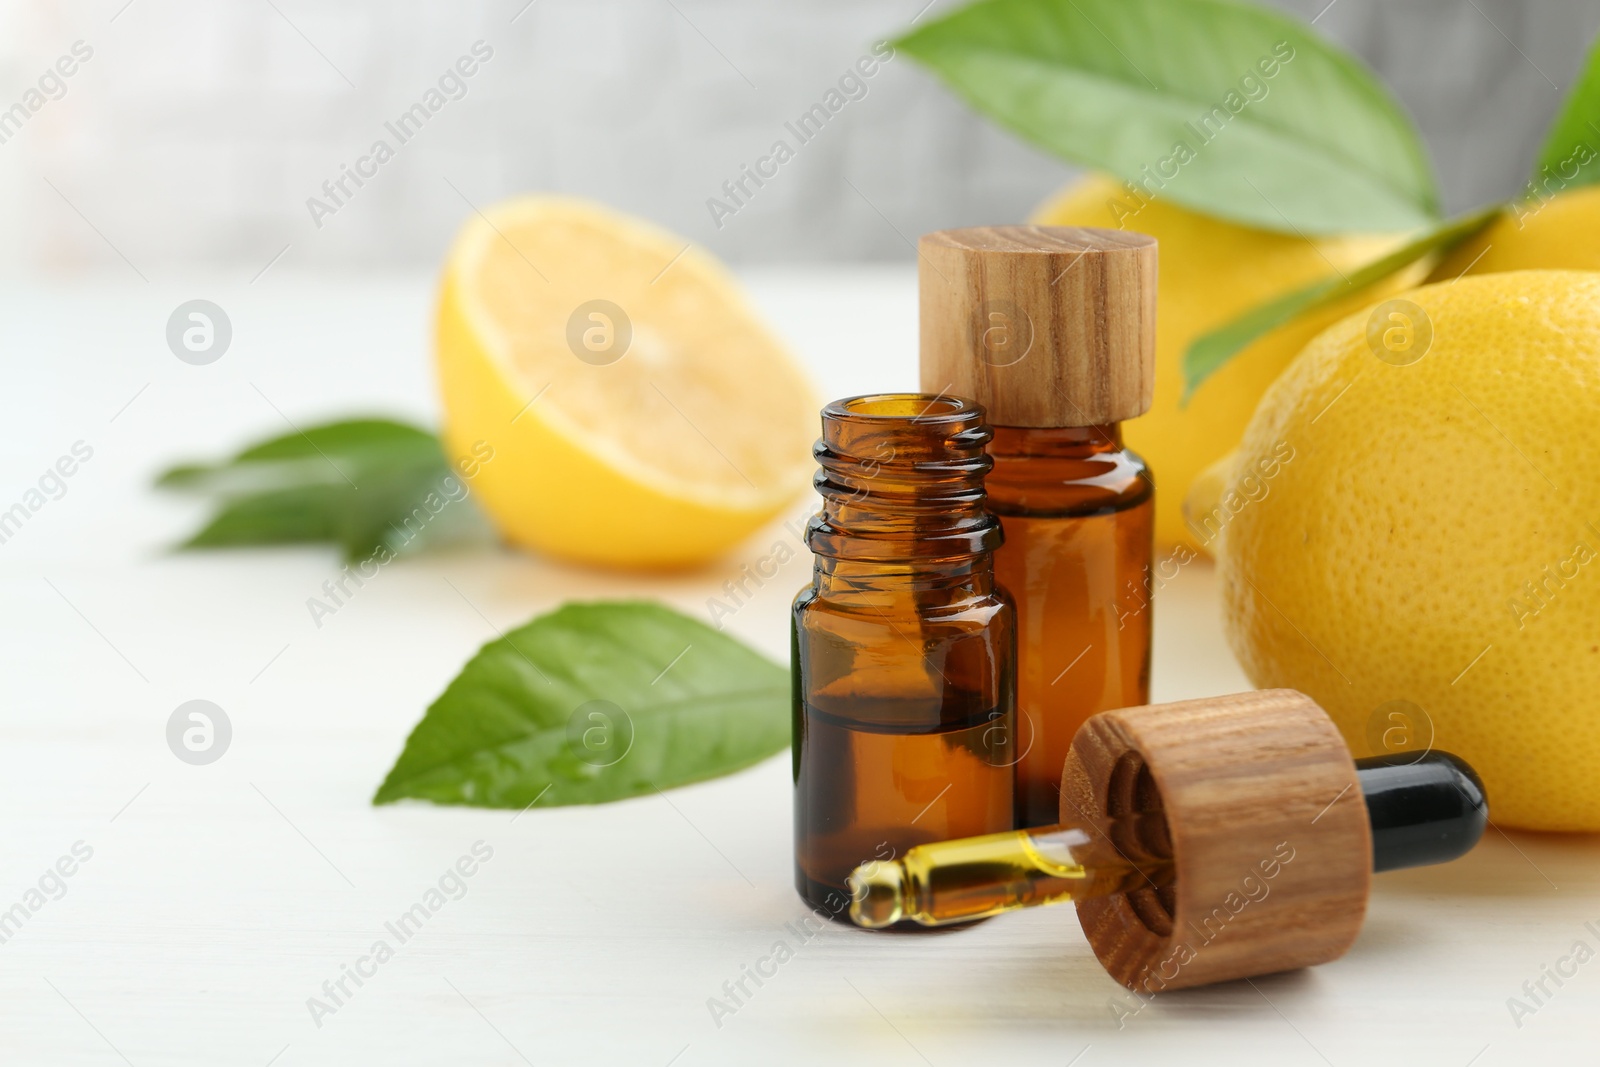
[[218, 899]]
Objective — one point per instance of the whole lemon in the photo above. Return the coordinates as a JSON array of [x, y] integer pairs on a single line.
[[1409, 534], [1212, 272], [1558, 233]]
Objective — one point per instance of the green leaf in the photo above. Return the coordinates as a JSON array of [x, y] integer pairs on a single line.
[[1209, 352], [1571, 153], [1317, 146], [367, 485], [590, 703], [329, 453]]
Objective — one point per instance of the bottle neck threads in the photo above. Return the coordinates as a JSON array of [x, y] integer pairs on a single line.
[[901, 480]]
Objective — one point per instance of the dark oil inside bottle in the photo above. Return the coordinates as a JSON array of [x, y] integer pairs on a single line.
[[1077, 510], [881, 782]]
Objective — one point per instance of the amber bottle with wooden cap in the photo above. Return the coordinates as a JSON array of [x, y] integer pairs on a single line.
[[1052, 331], [1202, 841], [903, 645]]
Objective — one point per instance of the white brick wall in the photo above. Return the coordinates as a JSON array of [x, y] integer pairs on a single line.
[[195, 134]]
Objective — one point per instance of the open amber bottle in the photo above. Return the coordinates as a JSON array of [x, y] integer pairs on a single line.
[[1052, 330], [903, 646]]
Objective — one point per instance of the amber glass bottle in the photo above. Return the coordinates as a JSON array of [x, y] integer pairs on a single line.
[[1052, 330], [903, 646]]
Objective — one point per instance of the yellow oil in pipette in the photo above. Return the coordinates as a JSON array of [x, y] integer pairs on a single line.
[[975, 877]]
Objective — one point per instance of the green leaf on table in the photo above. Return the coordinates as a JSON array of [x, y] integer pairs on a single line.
[[1227, 108], [590, 703], [367, 485], [1211, 351], [1571, 153]]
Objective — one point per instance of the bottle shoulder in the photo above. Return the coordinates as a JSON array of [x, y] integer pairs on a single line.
[[1104, 481], [963, 610]]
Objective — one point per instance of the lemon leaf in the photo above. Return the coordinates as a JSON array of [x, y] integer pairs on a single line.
[[367, 485], [1571, 153], [591, 703], [1226, 108], [1209, 352]]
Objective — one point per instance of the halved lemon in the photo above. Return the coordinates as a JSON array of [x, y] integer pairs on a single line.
[[635, 410]]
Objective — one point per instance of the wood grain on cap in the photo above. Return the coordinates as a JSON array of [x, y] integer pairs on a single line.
[[1268, 832], [1043, 325]]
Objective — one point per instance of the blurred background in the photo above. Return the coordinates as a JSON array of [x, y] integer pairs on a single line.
[[195, 134], [196, 150]]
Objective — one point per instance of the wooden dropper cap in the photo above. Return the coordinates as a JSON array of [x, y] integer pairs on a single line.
[[1045, 326], [1267, 826]]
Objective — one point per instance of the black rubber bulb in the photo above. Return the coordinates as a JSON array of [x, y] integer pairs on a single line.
[[1425, 808]]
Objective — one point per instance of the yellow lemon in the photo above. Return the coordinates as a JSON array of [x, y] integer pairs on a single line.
[[1212, 272], [1561, 233], [635, 410], [1411, 534]]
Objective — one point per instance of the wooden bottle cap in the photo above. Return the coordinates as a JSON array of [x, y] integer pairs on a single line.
[[1268, 832], [1042, 325]]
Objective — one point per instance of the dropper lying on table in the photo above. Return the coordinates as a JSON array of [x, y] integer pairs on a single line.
[[1423, 808]]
